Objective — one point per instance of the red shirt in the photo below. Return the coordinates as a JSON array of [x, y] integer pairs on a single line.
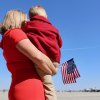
[[26, 84], [15, 59], [44, 36]]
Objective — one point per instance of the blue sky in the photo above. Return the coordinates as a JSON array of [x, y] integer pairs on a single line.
[[79, 24]]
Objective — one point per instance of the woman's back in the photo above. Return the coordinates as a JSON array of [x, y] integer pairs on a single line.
[[26, 84]]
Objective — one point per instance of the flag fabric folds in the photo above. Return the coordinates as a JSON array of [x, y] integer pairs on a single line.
[[69, 72]]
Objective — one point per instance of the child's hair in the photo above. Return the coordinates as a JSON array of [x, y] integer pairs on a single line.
[[37, 10]]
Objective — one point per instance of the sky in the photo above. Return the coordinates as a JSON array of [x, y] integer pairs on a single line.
[[78, 22]]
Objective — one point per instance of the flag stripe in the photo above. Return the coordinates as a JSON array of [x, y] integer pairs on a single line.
[[69, 72], [76, 73], [63, 72]]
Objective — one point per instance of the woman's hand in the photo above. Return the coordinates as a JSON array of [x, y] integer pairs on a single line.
[[43, 62]]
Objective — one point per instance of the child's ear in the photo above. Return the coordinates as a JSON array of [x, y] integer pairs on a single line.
[[23, 23]]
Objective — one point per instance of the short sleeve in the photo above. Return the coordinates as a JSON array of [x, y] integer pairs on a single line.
[[17, 35]]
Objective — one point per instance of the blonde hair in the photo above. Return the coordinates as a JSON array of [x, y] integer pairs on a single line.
[[37, 10], [13, 19]]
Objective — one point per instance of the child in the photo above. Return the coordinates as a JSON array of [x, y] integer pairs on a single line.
[[47, 39]]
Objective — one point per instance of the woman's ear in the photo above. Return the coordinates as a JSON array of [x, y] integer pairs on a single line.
[[0, 27]]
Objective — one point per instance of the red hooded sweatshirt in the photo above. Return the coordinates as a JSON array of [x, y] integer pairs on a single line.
[[44, 36]]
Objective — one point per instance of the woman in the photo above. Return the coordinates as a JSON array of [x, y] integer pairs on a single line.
[[21, 56]]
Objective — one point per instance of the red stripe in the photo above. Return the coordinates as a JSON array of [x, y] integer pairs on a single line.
[[76, 73], [67, 78], [63, 70]]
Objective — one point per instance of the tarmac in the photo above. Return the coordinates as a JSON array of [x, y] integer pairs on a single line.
[[66, 95]]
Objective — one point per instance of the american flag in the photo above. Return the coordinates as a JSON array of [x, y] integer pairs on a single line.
[[69, 72]]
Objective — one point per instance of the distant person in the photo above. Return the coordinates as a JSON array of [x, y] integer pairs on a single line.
[[21, 56], [47, 39]]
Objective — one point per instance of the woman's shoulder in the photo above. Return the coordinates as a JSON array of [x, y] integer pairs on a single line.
[[16, 30], [15, 35]]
